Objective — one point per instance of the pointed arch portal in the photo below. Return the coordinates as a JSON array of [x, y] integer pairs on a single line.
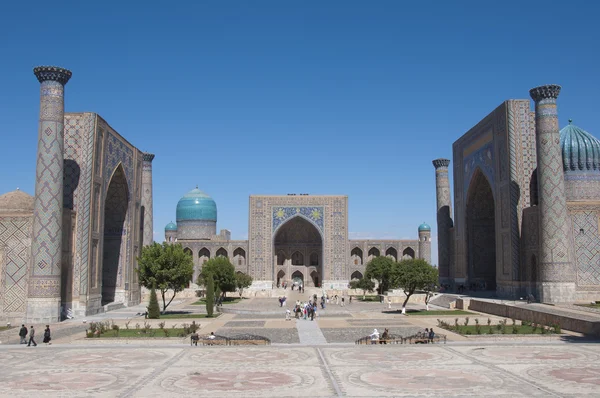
[[299, 239], [481, 232], [114, 253]]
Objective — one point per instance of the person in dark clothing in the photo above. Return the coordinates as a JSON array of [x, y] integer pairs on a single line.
[[31, 337], [23, 334], [47, 336]]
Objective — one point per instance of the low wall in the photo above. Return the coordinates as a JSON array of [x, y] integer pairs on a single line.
[[587, 327]]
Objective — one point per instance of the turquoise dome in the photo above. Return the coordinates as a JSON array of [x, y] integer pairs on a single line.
[[196, 206], [580, 150], [424, 227], [171, 226]]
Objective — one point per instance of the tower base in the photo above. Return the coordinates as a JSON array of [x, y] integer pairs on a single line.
[[43, 310], [557, 292]]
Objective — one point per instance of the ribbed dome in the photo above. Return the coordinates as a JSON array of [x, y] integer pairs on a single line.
[[580, 150], [196, 206], [171, 226], [424, 227], [16, 201]]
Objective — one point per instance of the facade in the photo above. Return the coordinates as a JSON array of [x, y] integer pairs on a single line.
[[527, 205], [72, 247], [292, 238]]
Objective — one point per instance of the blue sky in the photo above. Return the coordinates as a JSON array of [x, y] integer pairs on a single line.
[[272, 97]]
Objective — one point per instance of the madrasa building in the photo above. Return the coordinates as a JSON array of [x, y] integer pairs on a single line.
[[294, 238], [71, 248], [527, 205]]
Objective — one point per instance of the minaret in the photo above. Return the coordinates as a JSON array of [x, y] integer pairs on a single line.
[[44, 292], [556, 277], [444, 217], [425, 242], [148, 238]]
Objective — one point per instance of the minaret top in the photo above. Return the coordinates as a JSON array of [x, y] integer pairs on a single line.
[[545, 92], [54, 73], [148, 157], [437, 163]]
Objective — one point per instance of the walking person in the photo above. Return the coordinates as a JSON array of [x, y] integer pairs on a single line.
[[23, 334], [47, 336], [31, 337]]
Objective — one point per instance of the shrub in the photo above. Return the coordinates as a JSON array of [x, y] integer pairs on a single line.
[[166, 332], [127, 324], [153, 308], [161, 325], [466, 321], [557, 328], [210, 296], [477, 326]]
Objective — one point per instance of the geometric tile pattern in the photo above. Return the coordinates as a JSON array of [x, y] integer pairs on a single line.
[[555, 248], [15, 236], [46, 248], [587, 247], [79, 151], [313, 214]]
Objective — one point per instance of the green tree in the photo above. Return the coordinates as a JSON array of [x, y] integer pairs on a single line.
[[222, 272], [413, 275], [210, 296], [364, 284], [166, 267], [242, 281], [381, 269], [153, 308]]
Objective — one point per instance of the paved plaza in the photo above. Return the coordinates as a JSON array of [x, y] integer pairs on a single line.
[[520, 370]]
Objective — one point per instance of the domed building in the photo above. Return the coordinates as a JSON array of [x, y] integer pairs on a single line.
[[527, 205], [300, 239]]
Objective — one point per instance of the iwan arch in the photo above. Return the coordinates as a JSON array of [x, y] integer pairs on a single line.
[[301, 238], [527, 205]]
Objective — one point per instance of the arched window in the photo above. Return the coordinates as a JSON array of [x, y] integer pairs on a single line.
[[408, 253], [222, 252], [314, 259], [239, 257], [357, 256], [203, 255], [297, 258], [356, 275], [373, 252], [392, 253], [280, 258]]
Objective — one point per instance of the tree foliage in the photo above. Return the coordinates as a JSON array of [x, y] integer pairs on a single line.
[[165, 267], [365, 284], [242, 281], [221, 271], [382, 269], [210, 296], [153, 308], [413, 275]]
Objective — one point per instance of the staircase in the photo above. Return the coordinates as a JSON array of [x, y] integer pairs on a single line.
[[443, 300]]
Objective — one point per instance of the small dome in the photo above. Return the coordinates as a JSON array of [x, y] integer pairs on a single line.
[[424, 227], [196, 206], [16, 201], [580, 150], [171, 226]]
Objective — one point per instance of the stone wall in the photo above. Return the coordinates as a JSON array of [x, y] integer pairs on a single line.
[[547, 318]]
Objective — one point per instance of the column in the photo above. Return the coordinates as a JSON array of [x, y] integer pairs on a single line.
[[444, 218], [556, 270], [44, 293], [148, 238], [424, 246]]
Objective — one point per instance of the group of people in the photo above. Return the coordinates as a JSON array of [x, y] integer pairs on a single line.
[[377, 339], [23, 333], [304, 310]]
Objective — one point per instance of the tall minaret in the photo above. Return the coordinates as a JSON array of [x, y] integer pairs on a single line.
[[148, 238], [44, 293], [444, 217], [425, 242], [556, 278]]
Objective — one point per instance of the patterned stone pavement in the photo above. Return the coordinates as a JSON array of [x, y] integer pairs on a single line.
[[515, 370]]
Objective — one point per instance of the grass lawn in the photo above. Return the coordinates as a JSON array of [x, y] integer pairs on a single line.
[[2, 328], [139, 333], [226, 300], [367, 298], [485, 329], [184, 315], [439, 313], [595, 305]]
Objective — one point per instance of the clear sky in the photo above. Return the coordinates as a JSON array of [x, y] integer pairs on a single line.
[[277, 97]]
